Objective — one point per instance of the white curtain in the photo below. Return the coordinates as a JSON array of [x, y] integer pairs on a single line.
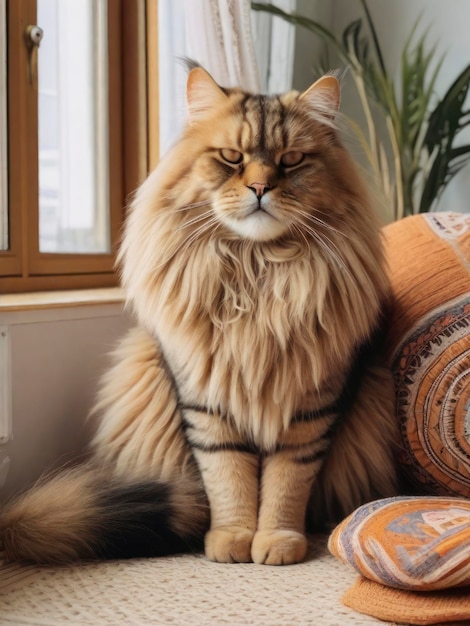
[[218, 35], [230, 41], [274, 43]]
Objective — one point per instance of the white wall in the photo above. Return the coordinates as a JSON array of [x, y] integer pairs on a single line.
[[309, 48], [56, 359]]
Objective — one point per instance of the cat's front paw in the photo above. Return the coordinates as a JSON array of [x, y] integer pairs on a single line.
[[229, 544], [278, 547]]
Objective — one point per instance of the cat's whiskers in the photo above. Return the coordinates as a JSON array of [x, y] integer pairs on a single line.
[[198, 233], [311, 214], [195, 220], [311, 218], [294, 228], [318, 220], [187, 242], [320, 237], [326, 243], [192, 205], [331, 250]]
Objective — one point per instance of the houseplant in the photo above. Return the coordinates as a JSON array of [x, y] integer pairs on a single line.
[[419, 154]]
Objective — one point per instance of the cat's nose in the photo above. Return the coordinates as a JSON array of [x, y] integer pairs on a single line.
[[259, 189]]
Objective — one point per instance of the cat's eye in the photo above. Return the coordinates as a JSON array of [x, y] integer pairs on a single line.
[[231, 156], [293, 158]]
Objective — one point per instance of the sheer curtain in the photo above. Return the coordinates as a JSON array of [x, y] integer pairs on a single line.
[[218, 35], [274, 42], [237, 46]]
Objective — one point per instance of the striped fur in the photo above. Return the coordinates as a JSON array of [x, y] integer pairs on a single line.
[[253, 262]]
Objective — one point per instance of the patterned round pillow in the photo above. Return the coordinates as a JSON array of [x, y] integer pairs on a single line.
[[429, 348], [420, 543]]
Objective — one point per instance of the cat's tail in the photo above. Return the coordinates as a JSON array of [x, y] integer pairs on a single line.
[[87, 513]]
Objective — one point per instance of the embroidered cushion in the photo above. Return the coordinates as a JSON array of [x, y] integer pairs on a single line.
[[420, 543], [429, 349]]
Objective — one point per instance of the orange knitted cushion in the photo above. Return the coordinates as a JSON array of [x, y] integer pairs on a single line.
[[429, 348], [418, 543]]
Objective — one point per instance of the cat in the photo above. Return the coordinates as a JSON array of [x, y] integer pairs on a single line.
[[248, 400]]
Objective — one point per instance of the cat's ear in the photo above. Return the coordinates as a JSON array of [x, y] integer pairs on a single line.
[[202, 93], [324, 96]]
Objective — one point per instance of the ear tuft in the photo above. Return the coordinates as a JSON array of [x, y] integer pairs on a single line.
[[202, 93], [324, 96]]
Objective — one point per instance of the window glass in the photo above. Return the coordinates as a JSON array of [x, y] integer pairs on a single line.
[[73, 128], [3, 132]]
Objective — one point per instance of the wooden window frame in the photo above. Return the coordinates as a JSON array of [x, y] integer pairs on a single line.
[[132, 76]]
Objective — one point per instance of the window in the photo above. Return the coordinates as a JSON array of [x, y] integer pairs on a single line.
[[73, 127], [74, 120], [3, 132]]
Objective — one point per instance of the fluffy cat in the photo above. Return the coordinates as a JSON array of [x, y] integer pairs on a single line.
[[247, 400]]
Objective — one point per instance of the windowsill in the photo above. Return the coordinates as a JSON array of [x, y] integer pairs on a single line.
[[60, 299]]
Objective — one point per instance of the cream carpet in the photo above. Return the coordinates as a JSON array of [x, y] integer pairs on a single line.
[[184, 590]]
